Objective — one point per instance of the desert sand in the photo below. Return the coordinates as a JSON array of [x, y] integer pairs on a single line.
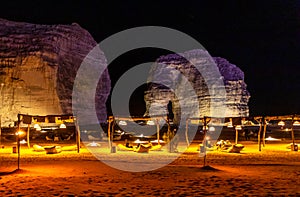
[[273, 171]]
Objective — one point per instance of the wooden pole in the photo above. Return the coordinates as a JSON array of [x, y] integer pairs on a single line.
[[112, 134], [169, 133], [28, 130], [264, 134], [78, 137], [0, 132], [77, 134], [186, 131], [236, 136], [157, 132], [259, 133], [293, 135], [18, 142], [204, 140], [108, 131]]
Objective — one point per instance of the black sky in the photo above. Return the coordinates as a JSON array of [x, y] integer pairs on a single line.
[[261, 37]]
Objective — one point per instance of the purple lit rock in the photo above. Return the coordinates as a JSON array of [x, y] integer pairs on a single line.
[[235, 97], [38, 65]]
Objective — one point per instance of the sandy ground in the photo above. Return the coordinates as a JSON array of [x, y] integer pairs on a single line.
[[273, 171]]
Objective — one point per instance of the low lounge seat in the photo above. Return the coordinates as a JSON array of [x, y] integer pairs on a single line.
[[236, 148], [143, 149], [121, 147], [69, 148], [52, 149], [38, 148], [156, 147]]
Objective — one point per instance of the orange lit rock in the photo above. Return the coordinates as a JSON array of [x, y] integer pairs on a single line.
[[38, 65]]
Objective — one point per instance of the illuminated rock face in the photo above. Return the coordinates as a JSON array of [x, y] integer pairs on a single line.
[[235, 100], [38, 65]]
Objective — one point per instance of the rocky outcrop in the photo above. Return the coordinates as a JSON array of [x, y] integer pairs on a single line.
[[235, 98], [38, 65]]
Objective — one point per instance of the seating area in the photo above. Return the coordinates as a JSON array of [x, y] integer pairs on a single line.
[[225, 146], [53, 149], [140, 148]]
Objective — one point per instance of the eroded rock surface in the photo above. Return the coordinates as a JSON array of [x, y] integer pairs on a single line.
[[38, 65], [235, 97]]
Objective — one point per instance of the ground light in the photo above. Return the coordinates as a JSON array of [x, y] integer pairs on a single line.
[[18, 134]]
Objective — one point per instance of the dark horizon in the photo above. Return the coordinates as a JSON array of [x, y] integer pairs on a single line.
[[261, 38]]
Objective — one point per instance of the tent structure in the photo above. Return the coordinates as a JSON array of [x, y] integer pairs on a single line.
[[263, 120], [59, 120], [155, 121], [243, 122]]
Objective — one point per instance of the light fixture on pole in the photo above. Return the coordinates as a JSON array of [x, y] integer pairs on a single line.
[[211, 129], [281, 123], [37, 127], [62, 126], [296, 123], [229, 125], [122, 122], [238, 127], [150, 122]]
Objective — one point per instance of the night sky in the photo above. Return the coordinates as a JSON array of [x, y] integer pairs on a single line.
[[261, 37]]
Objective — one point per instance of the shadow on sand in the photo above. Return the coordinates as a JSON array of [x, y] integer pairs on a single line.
[[208, 168], [11, 172]]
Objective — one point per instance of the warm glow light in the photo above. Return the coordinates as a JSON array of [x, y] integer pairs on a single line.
[[238, 127], [23, 141], [272, 139], [229, 125], [281, 123], [93, 144], [212, 129], [122, 122], [20, 133], [205, 128], [150, 122], [118, 131], [37, 127], [62, 126], [296, 123], [248, 123]]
